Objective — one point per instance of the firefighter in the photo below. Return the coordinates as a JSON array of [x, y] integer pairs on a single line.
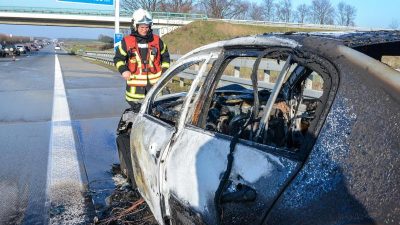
[[141, 58]]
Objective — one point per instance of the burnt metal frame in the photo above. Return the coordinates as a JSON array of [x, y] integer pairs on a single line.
[[164, 82], [309, 60], [331, 77], [322, 66]]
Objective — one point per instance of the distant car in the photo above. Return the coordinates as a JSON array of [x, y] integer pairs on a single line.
[[21, 48], [34, 47], [57, 47], [10, 49], [2, 51], [27, 49], [298, 128]]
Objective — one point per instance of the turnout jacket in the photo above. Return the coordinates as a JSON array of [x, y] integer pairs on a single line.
[[146, 58]]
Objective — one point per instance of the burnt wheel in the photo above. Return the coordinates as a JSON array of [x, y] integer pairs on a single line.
[[124, 155]]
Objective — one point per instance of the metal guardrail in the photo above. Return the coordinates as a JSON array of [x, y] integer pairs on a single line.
[[287, 24], [171, 15], [107, 58], [102, 56]]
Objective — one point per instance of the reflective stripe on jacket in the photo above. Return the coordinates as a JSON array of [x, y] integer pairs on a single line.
[[134, 93]]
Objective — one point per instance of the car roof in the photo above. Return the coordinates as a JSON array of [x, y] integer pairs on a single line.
[[387, 41], [374, 44], [354, 38]]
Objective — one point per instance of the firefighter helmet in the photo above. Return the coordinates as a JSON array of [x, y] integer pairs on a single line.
[[141, 16]]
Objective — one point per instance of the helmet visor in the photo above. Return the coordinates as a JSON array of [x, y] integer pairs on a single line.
[[145, 20]]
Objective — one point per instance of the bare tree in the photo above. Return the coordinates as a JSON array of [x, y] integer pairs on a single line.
[[279, 14], [225, 8], [284, 10], [346, 14], [269, 7], [394, 24], [242, 8], [302, 13], [181, 6], [330, 20], [256, 11], [341, 13], [322, 11], [350, 15], [132, 5]]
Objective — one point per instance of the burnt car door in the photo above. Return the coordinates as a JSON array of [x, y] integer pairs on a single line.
[[240, 147], [352, 173], [155, 125]]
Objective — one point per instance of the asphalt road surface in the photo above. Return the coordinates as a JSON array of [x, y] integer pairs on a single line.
[[58, 118]]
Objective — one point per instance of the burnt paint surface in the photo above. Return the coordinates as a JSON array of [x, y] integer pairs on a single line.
[[147, 138], [194, 170], [267, 188], [181, 214], [352, 174]]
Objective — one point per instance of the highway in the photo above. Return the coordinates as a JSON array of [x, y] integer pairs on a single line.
[[57, 129]]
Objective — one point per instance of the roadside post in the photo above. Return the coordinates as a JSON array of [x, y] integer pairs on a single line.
[[117, 40], [13, 55]]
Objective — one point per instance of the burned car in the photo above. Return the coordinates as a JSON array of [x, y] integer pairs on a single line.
[[297, 128]]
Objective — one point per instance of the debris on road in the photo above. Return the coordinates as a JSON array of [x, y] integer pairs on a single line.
[[124, 205]]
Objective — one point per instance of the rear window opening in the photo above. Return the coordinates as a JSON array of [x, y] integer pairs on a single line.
[[387, 53], [293, 111]]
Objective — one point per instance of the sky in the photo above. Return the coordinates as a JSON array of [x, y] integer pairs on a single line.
[[370, 14]]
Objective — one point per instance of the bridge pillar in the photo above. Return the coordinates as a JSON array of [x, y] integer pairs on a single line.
[[116, 16]]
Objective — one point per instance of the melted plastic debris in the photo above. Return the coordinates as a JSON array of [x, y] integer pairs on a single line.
[[124, 205], [120, 180]]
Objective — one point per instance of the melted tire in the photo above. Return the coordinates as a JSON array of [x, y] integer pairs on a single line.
[[124, 155]]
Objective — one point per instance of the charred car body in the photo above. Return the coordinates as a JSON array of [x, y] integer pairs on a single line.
[[271, 129]]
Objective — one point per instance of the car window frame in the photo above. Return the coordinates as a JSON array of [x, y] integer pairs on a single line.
[[331, 82], [178, 67]]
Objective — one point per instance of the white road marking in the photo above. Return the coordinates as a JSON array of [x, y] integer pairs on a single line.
[[64, 183]]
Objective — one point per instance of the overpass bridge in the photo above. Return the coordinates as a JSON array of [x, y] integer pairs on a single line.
[[163, 21]]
